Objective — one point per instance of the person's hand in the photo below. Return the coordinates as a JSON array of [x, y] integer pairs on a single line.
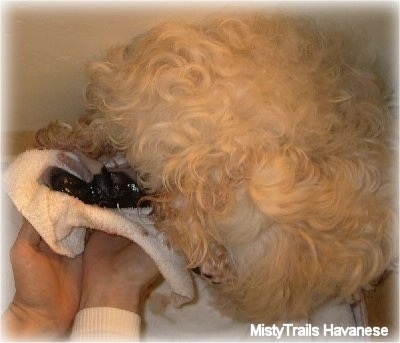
[[47, 288], [116, 271]]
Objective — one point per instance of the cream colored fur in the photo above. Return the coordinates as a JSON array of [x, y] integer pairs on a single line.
[[267, 144]]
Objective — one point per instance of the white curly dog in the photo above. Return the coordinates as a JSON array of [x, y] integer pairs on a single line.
[[265, 144]]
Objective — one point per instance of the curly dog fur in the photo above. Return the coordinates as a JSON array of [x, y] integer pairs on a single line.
[[266, 142]]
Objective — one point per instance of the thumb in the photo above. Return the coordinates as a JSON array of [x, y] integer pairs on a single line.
[[28, 235]]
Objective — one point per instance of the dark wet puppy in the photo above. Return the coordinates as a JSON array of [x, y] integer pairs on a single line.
[[107, 189]]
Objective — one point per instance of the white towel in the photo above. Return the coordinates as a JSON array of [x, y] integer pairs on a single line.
[[62, 220]]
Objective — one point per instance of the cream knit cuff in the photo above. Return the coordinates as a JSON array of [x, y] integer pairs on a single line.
[[105, 324]]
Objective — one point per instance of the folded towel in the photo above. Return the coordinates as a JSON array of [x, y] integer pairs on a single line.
[[62, 220]]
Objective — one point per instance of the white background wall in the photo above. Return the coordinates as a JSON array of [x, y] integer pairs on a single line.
[[45, 45]]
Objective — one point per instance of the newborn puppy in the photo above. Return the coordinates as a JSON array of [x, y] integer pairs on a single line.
[[107, 189], [110, 185], [268, 145]]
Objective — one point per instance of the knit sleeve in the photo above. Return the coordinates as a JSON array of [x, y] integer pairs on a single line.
[[105, 324]]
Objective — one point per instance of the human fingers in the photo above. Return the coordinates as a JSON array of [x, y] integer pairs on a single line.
[[135, 266], [101, 242], [74, 269], [28, 235]]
